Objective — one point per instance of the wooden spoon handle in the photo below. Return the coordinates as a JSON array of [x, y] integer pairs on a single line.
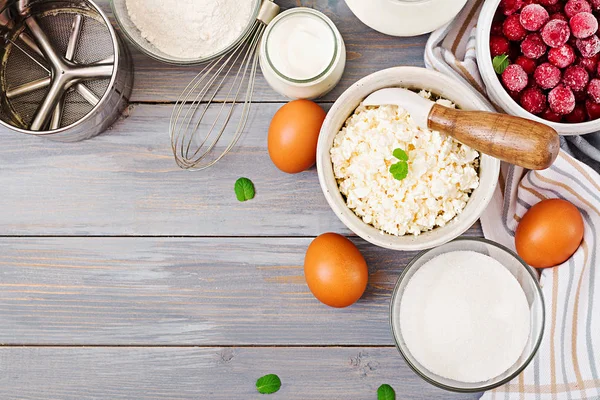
[[519, 141]]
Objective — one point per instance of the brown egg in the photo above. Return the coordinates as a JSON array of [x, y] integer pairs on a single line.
[[549, 233], [335, 270], [293, 136]]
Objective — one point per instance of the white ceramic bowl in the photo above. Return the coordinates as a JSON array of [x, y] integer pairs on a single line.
[[411, 78], [405, 17], [496, 91]]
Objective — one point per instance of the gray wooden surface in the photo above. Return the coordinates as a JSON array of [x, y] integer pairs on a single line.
[[336, 373], [123, 277]]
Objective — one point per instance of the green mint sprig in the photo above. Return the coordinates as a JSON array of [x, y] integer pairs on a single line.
[[385, 392], [400, 169], [244, 189], [400, 155], [500, 63], [268, 384]]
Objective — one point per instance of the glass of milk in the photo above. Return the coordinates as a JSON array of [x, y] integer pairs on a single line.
[[468, 316]]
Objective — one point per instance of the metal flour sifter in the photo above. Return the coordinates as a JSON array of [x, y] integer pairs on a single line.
[[232, 75], [64, 72]]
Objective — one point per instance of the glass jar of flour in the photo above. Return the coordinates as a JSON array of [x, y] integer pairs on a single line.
[[302, 54]]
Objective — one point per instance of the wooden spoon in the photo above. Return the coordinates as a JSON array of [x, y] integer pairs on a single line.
[[518, 141]]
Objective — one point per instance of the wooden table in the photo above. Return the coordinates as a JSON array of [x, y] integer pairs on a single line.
[[124, 277]]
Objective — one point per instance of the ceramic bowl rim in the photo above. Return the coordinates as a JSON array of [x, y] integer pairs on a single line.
[[330, 188]]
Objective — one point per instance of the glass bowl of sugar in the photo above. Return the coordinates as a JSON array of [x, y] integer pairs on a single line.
[[468, 316]]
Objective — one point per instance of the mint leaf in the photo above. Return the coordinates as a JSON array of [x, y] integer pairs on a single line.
[[400, 155], [385, 392], [268, 384], [500, 63], [244, 189], [399, 170]]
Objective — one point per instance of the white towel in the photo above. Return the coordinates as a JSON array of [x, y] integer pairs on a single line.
[[567, 365]]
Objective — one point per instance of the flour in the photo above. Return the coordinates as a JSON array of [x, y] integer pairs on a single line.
[[463, 316], [191, 29]]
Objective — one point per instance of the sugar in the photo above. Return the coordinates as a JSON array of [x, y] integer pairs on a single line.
[[465, 317]]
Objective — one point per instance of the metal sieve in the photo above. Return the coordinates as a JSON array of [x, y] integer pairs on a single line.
[[64, 73]]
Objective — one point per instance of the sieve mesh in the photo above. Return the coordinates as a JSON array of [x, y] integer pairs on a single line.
[[24, 107], [99, 45], [58, 28], [98, 86], [94, 44], [76, 107], [20, 69]]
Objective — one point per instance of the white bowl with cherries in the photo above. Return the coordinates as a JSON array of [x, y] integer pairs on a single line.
[[539, 59]]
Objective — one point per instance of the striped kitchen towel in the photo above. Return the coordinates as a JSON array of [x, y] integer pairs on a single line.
[[567, 365]]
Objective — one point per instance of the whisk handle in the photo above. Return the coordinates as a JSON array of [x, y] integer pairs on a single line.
[[268, 11]]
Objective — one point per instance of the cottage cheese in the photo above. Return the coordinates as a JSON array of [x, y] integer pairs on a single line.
[[442, 172]]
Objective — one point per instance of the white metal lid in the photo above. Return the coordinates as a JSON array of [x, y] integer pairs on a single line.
[[405, 17]]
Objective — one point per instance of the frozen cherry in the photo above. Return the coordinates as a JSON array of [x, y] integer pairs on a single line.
[[595, 4], [512, 28], [555, 33], [509, 7], [597, 66], [593, 109], [550, 115], [533, 100], [498, 45], [547, 76], [588, 47], [593, 90], [496, 29], [576, 77], [547, 2], [579, 114], [561, 100], [533, 46], [580, 96], [572, 41], [562, 56], [583, 25], [514, 51], [533, 17], [559, 16], [573, 7], [514, 95], [589, 63], [553, 8], [528, 64], [515, 78]]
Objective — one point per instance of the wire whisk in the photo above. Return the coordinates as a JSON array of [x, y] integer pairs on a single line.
[[193, 150]]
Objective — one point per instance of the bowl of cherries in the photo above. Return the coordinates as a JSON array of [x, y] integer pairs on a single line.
[[540, 59]]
